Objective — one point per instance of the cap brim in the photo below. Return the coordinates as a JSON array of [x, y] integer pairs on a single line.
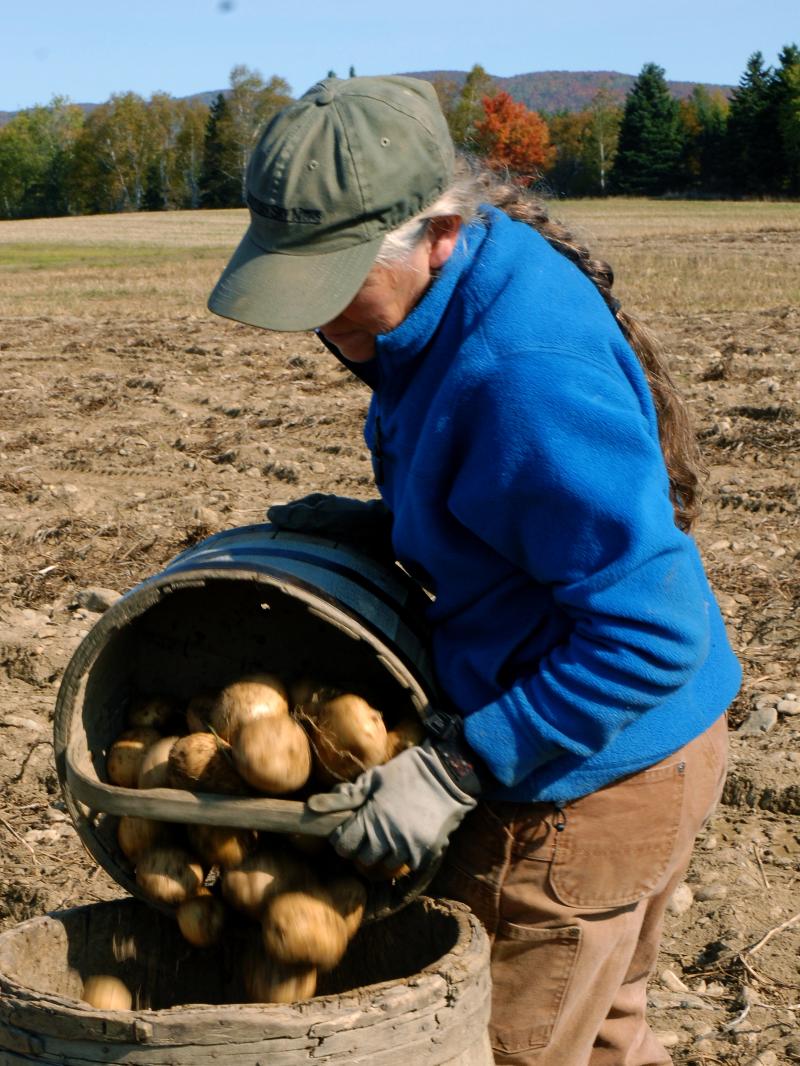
[[276, 290]]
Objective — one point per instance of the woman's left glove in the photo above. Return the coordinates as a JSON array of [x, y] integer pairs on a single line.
[[405, 810], [363, 524]]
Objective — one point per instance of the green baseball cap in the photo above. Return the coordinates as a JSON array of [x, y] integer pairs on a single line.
[[332, 174]]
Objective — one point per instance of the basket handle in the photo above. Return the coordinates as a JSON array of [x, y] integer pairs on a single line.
[[203, 808]]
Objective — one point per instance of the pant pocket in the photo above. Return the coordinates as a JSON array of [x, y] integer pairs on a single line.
[[531, 971], [615, 845], [451, 882]]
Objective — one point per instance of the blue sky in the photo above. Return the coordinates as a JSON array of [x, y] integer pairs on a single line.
[[88, 49]]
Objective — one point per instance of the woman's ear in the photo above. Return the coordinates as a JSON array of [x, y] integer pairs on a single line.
[[443, 234]]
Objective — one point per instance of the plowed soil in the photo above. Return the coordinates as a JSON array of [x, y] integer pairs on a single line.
[[133, 424]]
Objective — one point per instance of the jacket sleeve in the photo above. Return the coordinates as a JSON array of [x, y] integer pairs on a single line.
[[562, 475]]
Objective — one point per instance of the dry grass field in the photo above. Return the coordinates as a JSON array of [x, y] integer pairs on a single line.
[[134, 423]]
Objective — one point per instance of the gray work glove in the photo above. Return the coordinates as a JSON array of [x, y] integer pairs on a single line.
[[404, 810], [362, 524]]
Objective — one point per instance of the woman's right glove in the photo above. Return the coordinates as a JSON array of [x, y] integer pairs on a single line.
[[365, 525], [406, 809], [403, 811]]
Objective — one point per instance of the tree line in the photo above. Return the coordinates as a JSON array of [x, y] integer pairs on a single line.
[[708, 144], [132, 154]]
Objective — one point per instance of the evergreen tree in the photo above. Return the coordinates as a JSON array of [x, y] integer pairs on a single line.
[[218, 188], [649, 150], [752, 141], [155, 190], [787, 107]]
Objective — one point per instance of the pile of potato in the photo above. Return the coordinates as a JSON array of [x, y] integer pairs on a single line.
[[255, 736]]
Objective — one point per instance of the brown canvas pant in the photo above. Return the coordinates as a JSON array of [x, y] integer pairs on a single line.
[[573, 902]]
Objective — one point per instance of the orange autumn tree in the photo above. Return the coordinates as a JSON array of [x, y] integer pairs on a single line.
[[513, 138]]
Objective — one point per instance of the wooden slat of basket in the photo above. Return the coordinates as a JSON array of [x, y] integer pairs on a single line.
[[177, 805]]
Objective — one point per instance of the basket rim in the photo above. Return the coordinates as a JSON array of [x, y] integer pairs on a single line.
[[465, 960]]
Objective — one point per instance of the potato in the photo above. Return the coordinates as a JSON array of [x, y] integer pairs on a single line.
[[249, 886], [152, 712], [201, 919], [272, 754], [202, 763], [382, 871], [301, 691], [309, 845], [126, 753], [347, 737], [251, 697], [220, 845], [304, 927], [105, 992], [267, 980], [137, 835], [153, 767], [349, 897], [169, 875], [407, 733], [198, 711]]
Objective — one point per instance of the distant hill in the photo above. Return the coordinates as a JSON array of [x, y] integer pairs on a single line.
[[546, 90], [567, 90]]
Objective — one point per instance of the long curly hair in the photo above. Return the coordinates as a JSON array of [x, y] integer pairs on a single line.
[[676, 433]]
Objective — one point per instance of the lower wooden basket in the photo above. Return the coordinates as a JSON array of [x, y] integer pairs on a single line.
[[413, 988]]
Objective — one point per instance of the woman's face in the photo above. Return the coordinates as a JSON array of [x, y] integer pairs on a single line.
[[388, 295]]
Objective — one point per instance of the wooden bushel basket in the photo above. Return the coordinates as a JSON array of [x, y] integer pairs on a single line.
[[247, 599], [412, 989]]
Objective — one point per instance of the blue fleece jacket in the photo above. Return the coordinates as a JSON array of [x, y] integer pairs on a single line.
[[514, 439]]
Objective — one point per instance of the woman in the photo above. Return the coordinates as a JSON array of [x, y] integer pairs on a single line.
[[537, 473]]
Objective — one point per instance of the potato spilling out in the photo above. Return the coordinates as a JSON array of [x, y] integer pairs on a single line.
[[105, 992], [136, 836], [308, 845], [257, 736], [272, 754], [126, 754], [382, 871], [202, 763], [407, 733], [267, 980], [153, 767], [302, 691], [304, 927], [251, 697], [152, 712], [347, 736], [201, 919], [349, 897], [198, 712], [169, 875], [249, 886], [219, 845]]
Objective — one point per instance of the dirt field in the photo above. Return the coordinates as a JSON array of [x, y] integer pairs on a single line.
[[133, 423]]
